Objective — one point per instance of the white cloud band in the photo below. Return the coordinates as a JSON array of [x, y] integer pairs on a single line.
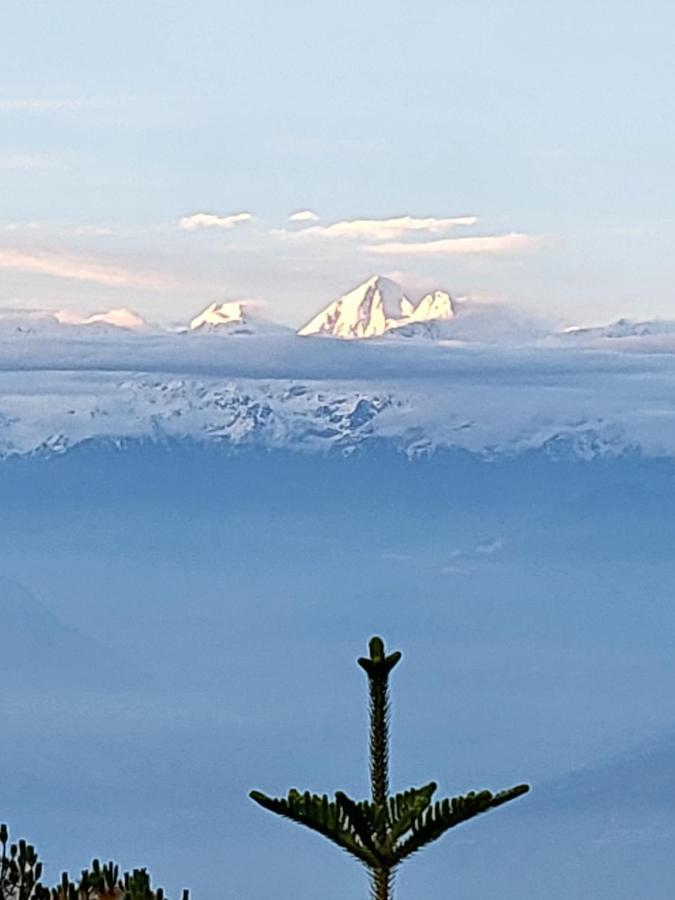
[[208, 220], [489, 245], [303, 215], [386, 229]]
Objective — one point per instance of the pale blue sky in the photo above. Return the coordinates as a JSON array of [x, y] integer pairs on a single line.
[[554, 121]]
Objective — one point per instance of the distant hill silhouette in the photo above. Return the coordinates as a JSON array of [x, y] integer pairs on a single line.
[[39, 650], [641, 780]]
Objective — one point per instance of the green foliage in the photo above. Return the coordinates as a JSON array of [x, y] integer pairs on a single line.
[[409, 820], [21, 871], [385, 830]]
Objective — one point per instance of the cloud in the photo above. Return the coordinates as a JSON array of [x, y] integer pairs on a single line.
[[461, 557], [454, 570], [385, 229], [303, 215], [7, 313], [489, 548], [57, 228], [209, 220], [24, 162], [92, 231], [392, 556], [20, 226], [78, 269], [58, 104], [489, 244]]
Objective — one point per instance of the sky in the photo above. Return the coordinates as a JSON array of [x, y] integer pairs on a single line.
[[152, 154]]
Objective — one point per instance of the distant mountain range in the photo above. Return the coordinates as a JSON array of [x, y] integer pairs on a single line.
[[39, 650], [113, 321], [377, 308], [372, 367], [622, 328], [306, 416]]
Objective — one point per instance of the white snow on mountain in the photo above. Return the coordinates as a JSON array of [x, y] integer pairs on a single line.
[[233, 317], [65, 320], [374, 308], [65, 380], [622, 328], [366, 311], [437, 305], [488, 403], [117, 318], [278, 414], [230, 313]]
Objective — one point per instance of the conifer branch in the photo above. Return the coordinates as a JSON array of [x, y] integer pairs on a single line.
[[385, 830]]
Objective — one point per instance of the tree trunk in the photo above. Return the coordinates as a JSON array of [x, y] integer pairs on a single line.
[[379, 740], [382, 884]]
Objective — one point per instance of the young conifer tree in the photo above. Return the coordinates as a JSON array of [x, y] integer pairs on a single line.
[[21, 874], [384, 831]]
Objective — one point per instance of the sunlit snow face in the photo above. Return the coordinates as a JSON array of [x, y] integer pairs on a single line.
[[216, 314], [374, 308]]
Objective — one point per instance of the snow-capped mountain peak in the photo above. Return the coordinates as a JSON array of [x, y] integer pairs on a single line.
[[366, 311], [229, 313], [120, 317], [374, 308], [234, 317], [429, 319], [437, 305]]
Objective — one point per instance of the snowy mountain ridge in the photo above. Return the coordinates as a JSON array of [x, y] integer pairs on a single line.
[[374, 308], [491, 389], [229, 313], [119, 320], [293, 415], [233, 317], [622, 328]]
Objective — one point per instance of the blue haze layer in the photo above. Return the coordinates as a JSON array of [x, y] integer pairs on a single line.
[[180, 625]]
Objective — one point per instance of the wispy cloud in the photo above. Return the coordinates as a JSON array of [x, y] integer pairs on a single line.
[[489, 548], [455, 570], [385, 229], [25, 162], [20, 226], [466, 246], [92, 231], [393, 556], [57, 228], [78, 269], [303, 215], [463, 557], [57, 104], [208, 220]]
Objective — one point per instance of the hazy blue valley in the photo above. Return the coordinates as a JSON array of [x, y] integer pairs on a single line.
[[180, 623]]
